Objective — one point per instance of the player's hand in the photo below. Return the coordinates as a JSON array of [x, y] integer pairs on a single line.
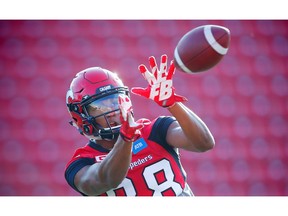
[[160, 88], [129, 130]]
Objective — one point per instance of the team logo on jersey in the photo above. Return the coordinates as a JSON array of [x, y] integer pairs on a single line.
[[99, 158], [139, 145]]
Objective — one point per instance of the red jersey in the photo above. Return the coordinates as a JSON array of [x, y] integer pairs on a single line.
[[155, 168]]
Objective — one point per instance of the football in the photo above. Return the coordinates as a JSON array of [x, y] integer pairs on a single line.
[[201, 48]]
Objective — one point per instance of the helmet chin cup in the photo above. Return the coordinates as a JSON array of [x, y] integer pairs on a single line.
[[110, 133]]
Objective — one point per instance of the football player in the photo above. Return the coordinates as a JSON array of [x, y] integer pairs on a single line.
[[125, 157]]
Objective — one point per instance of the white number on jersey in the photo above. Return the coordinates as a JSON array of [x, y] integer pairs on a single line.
[[149, 174]]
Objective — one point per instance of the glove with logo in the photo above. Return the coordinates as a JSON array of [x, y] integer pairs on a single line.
[[160, 88], [129, 130]]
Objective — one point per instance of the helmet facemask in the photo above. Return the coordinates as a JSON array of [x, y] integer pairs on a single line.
[[101, 114]]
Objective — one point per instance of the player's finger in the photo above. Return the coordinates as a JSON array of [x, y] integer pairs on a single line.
[[123, 111], [144, 121], [153, 65], [140, 91], [146, 74], [132, 123], [163, 65], [142, 68], [171, 70]]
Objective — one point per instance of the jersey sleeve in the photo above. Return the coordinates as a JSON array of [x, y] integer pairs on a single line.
[[74, 167], [160, 128]]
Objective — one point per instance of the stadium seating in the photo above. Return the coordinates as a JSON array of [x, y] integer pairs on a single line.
[[243, 100]]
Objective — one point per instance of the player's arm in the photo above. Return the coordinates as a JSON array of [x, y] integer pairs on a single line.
[[101, 177], [189, 131]]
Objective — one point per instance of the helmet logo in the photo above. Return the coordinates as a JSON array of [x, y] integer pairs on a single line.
[[104, 88]]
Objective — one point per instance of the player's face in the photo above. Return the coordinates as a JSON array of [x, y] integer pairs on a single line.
[[109, 105]]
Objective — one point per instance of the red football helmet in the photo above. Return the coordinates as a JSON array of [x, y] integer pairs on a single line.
[[89, 89]]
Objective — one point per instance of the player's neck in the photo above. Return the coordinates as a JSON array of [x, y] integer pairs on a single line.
[[106, 144]]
